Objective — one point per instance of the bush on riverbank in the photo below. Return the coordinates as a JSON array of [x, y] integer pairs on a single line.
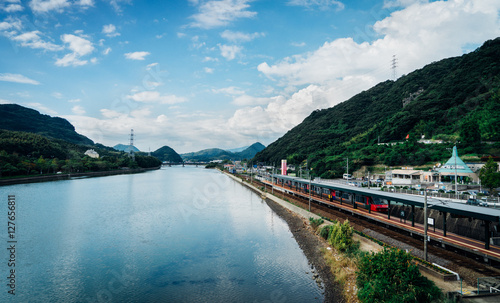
[[315, 222], [390, 276], [341, 236]]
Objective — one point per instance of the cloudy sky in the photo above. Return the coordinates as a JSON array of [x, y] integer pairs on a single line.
[[195, 74]]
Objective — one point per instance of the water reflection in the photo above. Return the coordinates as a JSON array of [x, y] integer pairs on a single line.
[[172, 235]]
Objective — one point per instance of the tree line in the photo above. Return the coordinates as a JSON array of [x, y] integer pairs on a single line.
[[27, 154]]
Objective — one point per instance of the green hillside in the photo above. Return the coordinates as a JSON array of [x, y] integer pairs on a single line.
[[206, 155], [210, 154], [18, 118], [35, 144], [167, 154], [456, 100]]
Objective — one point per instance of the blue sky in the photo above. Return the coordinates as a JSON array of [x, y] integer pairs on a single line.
[[198, 74]]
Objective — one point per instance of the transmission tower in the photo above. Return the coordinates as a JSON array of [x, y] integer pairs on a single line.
[[131, 147], [394, 64]]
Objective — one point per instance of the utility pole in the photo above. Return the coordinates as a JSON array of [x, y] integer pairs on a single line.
[[131, 145], [394, 64], [272, 180], [425, 224], [456, 181], [347, 166], [309, 192], [368, 179]]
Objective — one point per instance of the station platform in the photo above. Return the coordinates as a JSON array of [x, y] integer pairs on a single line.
[[471, 246]]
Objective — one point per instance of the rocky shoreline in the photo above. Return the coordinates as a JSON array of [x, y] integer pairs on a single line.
[[308, 242], [311, 246]]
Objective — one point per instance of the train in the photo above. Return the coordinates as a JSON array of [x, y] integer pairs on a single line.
[[366, 202], [361, 201]]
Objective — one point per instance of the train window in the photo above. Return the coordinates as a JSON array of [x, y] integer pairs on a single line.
[[377, 201]]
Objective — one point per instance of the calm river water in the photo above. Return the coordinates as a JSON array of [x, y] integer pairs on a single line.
[[179, 234]]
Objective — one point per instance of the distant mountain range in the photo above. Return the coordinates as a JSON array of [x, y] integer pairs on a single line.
[[25, 131], [125, 148], [167, 154], [221, 154], [18, 118]]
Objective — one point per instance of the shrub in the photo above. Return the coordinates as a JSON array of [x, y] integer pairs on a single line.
[[390, 276], [341, 236], [315, 222], [325, 231]]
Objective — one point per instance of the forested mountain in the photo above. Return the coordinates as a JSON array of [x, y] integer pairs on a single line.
[[167, 154], [220, 154], [18, 118], [456, 100], [250, 151], [32, 143]]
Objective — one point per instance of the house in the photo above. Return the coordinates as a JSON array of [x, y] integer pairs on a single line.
[[92, 154]]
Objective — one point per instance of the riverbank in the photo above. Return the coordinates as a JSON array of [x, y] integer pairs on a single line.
[[58, 177], [298, 222]]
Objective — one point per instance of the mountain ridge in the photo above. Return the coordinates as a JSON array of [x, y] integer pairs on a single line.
[[15, 117], [456, 100], [210, 154]]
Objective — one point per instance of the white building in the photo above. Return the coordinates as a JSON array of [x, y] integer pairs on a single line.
[[92, 154]]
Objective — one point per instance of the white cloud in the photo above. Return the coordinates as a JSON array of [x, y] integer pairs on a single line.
[[106, 51], [57, 95], [299, 44], [79, 47], [44, 6], [419, 34], [71, 59], [78, 110], [150, 66], [74, 100], [136, 55], [86, 3], [240, 36], [208, 70], [220, 13], [229, 51], [322, 4], [12, 8], [116, 4], [231, 90], [246, 100], [17, 78], [401, 3], [33, 40], [210, 59], [42, 108], [110, 30], [155, 97]]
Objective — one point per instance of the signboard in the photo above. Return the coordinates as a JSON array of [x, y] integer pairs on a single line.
[[283, 167], [430, 221]]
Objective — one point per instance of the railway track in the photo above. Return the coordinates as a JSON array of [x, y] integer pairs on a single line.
[[468, 267]]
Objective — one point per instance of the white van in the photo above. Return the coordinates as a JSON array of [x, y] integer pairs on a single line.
[[347, 176]]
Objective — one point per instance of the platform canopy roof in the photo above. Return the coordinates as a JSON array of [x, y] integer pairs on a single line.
[[462, 209]]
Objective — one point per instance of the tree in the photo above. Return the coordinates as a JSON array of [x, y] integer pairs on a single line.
[[489, 175], [390, 276], [469, 133]]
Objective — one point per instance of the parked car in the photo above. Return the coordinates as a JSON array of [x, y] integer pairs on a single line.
[[476, 202]]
